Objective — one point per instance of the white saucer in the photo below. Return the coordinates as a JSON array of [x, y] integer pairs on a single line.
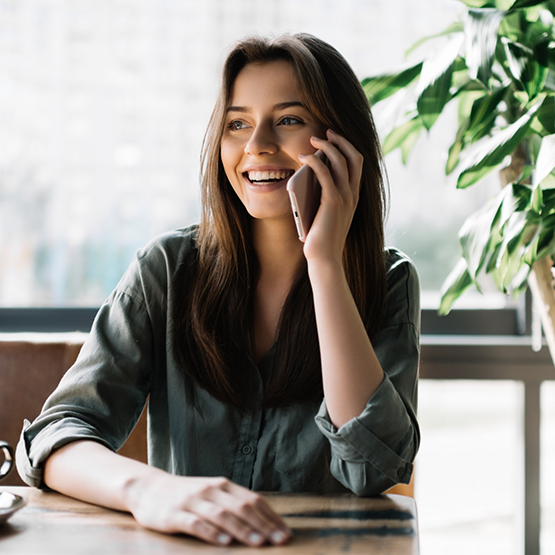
[[9, 504]]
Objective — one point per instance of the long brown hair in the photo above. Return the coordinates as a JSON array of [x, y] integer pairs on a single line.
[[214, 316]]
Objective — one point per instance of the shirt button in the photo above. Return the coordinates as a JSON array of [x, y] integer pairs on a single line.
[[401, 472], [247, 449]]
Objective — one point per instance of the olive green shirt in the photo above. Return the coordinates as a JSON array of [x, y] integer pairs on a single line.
[[128, 357]]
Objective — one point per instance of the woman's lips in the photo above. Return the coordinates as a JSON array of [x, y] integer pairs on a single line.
[[267, 176]]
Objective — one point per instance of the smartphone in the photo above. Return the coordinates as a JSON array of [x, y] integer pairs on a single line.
[[304, 192]]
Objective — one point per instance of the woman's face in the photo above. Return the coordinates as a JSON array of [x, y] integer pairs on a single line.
[[266, 128]]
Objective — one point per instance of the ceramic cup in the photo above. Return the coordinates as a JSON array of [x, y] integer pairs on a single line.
[[8, 453]]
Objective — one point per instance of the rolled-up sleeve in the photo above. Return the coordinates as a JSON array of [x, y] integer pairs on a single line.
[[376, 450], [102, 396]]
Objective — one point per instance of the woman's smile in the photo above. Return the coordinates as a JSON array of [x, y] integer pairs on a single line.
[[266, 179], [263, 176], [267, 127]]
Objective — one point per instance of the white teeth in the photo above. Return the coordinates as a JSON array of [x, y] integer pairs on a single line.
[[267, 175]]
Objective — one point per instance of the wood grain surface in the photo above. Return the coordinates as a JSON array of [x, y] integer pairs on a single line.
[[54, 524]]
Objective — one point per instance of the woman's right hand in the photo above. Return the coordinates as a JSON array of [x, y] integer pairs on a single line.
[[213, 509]]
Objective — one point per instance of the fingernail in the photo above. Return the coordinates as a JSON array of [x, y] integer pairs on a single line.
[[302, 155], [314, 138], [224, 538], [332, 131], [278, 537], [255, 538]]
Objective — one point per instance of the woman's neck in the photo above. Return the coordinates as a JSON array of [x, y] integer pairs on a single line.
[[280, 255], [279, 251]]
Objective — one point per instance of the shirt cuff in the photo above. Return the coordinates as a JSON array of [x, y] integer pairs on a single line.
[[29, 474], [382, 436], [54, 436]]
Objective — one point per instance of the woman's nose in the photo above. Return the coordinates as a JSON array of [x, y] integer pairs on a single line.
[[262, 141]]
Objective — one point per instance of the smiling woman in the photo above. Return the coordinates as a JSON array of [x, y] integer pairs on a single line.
[[266, 117], [269, 364]]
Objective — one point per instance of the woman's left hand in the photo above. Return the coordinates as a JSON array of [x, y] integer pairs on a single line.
[[340, 182]]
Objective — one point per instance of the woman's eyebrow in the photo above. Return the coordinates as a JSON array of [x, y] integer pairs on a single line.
[[243, 109], [285, 105], [276, 107]]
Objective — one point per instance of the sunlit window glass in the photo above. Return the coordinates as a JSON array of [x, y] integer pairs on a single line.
[[103, 107]]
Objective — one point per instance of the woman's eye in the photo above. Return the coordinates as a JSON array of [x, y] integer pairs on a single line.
[[289, 120], [236, 125]]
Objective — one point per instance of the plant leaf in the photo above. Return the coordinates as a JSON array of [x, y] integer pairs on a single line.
[[475, 3], [536, 202], [409, 142], [519, 236], [549, 84], [530, 253], [546, 114], [400, 134], [483, 113], [546, 243], [456, 283], [519, 283], [480, 29], [490, 152], [519, 4], [382, 86], [548, 184], [536, 74], [518, 56], [456, 147], [455, 27], [515, 198], [475, 235], [466, 102], [513, 231], [545, 163], [510, 269], [510, 26], [435, 80], [548, 203], [491, 267]]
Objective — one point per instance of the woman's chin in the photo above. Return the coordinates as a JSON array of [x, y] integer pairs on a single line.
[[281, 218]]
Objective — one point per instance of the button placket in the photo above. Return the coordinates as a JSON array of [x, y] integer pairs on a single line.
[[250, 428]]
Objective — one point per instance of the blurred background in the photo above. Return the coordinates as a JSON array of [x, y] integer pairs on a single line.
[[103, 107]]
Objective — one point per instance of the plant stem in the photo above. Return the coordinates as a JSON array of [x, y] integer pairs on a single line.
[[541, 285]]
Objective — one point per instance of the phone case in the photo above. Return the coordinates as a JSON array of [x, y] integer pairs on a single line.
[[304, 192]]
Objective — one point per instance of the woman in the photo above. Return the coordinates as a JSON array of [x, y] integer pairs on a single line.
[[269, 364]]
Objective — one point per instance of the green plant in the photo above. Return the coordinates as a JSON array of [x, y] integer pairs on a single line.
[[498, 63]]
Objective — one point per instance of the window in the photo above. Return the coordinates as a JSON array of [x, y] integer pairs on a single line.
[[104, 105]]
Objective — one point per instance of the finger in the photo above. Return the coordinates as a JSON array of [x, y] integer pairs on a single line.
[[353, 157], [239, 492], [230, 522], [261, 516], [253, 510], [337, 169], [194, 525], [346, 161], [280, 532], [257, 501]]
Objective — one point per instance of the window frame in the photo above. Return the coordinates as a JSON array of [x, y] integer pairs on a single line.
[[513, 320]]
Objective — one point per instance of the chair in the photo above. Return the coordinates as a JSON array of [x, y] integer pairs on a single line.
[[404, 489], [31, 365]]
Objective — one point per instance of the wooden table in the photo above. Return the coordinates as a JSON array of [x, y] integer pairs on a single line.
[[55, 524]]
